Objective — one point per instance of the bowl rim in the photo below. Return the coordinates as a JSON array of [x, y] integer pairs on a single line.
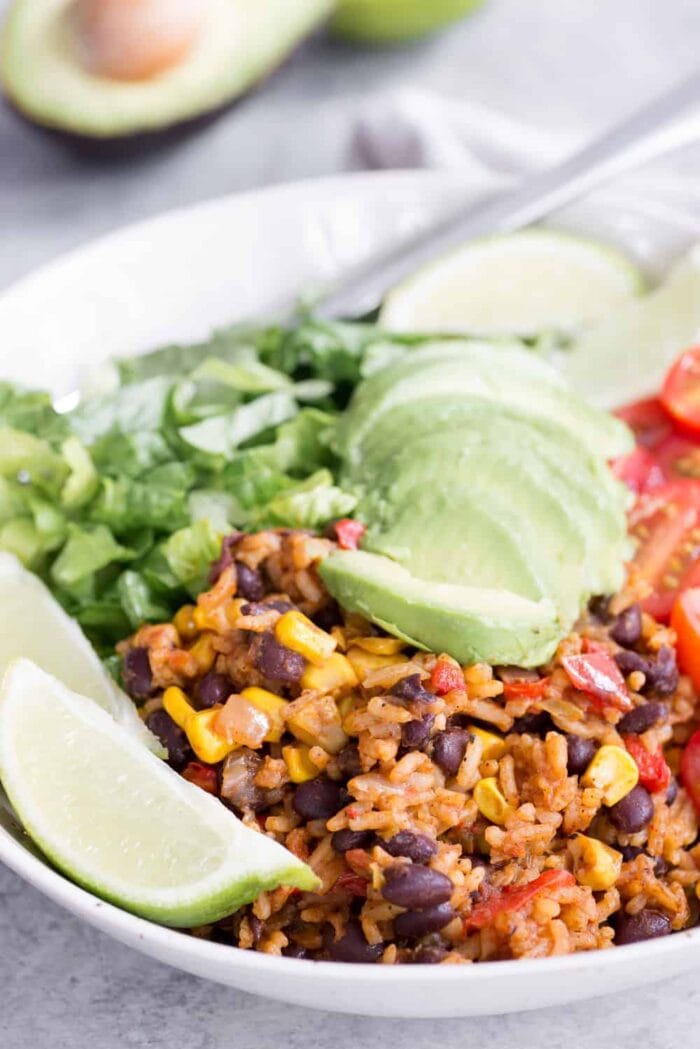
[[152, 938]]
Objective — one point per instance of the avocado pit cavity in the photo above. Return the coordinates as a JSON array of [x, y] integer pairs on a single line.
[[133, 40]]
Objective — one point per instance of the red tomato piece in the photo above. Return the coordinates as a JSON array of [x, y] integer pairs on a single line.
[[666, 524], [648, 419], [598, 675], [685, 620], [680, 394], [203, 776], [654, 773], [446, 677], [511, 900], [678, 458], [690, 768], [639, 470], [525, 689], [352, 883], [349, 533]]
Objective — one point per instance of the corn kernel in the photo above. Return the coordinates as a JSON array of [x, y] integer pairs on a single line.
[[346, 705], [185, 624], [363, 663], [613, 771], [490, 801], [271, 705], [294, 630], [380, 646], [299, 764], [202, 620], [335, 675], [595, 863], [177, 705], [207, 744], [492, 746], [204, 653], [340, 638]]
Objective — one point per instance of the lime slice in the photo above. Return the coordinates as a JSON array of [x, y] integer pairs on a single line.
[[37, 627], [625, 356], [391, 21], [120, 822], [518, 284]]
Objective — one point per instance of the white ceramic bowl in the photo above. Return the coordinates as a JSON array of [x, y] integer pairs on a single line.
[[173, 279]]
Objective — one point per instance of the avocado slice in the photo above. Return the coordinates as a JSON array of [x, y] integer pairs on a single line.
[[471, 624], [238, 43], [393, 21], [504, 376]]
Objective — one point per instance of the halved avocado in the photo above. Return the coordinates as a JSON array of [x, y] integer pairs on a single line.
[[392, 21], [237, 43]]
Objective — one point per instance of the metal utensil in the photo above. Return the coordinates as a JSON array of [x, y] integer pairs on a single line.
[[650, 132]]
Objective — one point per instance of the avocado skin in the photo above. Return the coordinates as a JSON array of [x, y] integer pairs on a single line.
[[472, 626], [397, 21]]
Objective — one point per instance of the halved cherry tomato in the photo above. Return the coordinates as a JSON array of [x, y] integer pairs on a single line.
[[690, 768], [649, 421], [598, 675], [666, 523], [525, 689], [685, 620], [678, 458], [639, 470], [203, 776], [349, 533], [680, 394], [446, 677], [654, 773], [511, 900]]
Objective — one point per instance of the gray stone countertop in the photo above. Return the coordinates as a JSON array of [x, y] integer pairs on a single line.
[[559, 62]]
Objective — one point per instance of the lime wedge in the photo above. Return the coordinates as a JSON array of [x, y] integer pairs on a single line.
[[120, 822], [37, 627], [519, 284], [626, 355]]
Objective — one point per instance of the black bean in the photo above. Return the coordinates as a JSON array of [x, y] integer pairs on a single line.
[[429, 955], [449, 748], [643, 717], [249, 583], [662, 676], [171, 736], [647, 925], [352, 945], [225, 559], [348, 761], [317, 799], [417, 847], [580, 753], [627, 627], [413, 886], [137, 674], [213, 689], [344, 840], [634, 812], [631, 661], [276, 662], [411, 925], [672, 792], [598, 607], [534, 724], [257, 927], [328, 617], [415, 734], [293, 950], [411, 688]]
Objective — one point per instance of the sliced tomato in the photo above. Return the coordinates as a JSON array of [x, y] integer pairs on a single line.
[[666, 524], [649, 421], [640, 470], [525, 689], [654, 773], [690, 768], [349, 533], [685, 620], [598, 675], [680, 394], [511, 900], [446, 677]]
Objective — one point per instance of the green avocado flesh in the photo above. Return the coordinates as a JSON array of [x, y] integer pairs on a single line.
[[479, 472], [239, 43], [384, 21]]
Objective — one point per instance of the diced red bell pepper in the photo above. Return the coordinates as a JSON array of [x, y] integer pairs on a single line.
[[598, 675], [514, 899], [654, 773], [690, 768], [203, 776], [525, 689], [349, 533], [352, 883], [446, 677]]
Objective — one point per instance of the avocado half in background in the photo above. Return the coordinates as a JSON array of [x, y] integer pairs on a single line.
[[111, 68], [394, 21]]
